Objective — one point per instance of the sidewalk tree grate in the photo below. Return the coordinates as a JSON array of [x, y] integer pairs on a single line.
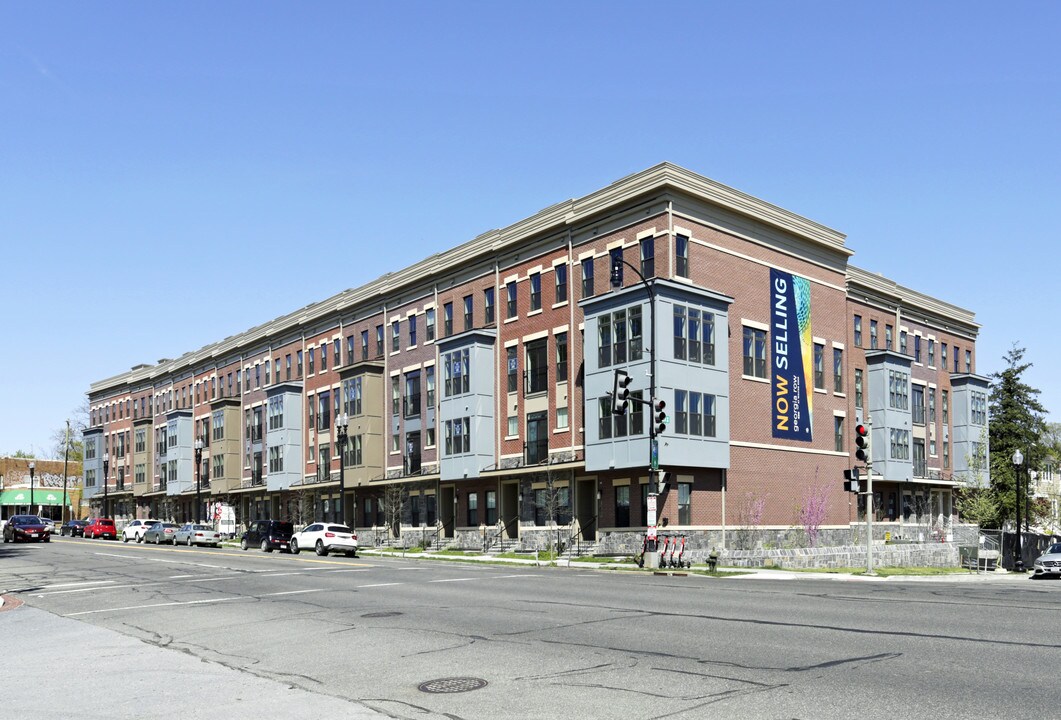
[[384, 614], [452, 685]]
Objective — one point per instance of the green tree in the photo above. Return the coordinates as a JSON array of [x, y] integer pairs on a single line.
[[1017, 423]]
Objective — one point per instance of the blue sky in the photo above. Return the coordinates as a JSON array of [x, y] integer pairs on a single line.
[[174, 173]]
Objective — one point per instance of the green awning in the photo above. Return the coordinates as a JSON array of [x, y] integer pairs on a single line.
[[41, 496]]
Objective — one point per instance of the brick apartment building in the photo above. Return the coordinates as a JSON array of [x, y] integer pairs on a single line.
[[477, 387]]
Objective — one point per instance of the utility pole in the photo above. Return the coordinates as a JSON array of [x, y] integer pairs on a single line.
[[66, 463]]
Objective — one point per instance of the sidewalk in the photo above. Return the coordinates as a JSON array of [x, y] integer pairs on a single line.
[[734, 573]]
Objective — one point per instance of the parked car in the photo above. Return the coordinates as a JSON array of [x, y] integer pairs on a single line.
[[135, 530], [192, 534], [25, 528], [161, 532], [325, 538], [269, 535], [1049, 564], [101, 528], [73, 528], [50, 524]]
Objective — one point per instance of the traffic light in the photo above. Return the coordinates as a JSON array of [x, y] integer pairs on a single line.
[[851, 482], [659, 416], [621, 392], [862, 443]]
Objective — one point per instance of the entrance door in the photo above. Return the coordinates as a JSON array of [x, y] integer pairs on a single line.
[[586, 508], [447, 510], [510, 509]]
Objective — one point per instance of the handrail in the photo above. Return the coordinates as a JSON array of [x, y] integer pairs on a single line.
[[438, 534], [499, 535], [579, 535]]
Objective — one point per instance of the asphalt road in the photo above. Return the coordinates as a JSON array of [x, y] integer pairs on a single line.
[[557, 642]]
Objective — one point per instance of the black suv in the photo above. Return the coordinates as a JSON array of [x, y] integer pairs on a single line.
[[269, 535]]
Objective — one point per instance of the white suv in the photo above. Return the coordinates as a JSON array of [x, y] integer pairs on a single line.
[[135, 530]]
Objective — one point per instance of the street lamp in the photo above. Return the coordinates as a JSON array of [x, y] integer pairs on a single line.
[[32, 467], [1018, 460], [106, 468], [198, 474], [341, 423]]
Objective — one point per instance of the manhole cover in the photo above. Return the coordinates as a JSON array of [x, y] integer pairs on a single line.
[[452, 685], [381, 614]]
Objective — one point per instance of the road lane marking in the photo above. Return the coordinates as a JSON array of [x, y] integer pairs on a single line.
[[379, 585], [453, 580], [293, 592], [75, 584], [350, 570], [154, 605]]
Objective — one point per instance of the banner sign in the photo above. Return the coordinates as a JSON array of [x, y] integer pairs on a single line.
[[793, 356]]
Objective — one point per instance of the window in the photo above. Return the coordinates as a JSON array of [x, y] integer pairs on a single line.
[[324, 459], [468, 321], [396, 336], [648, 257], [899, 444], [968, 361], [931, 352], [560, 272], [946, 454], [349, 351], [622, 506], [561, 357], [858, 331], [488, 305], [943, 355], [902, 342], [587, 277], [312, 357], [396, 396], [412, 331], [511, 367], [681, 259], [561, 418], [978, 408], [447, 319], [510, 302], [324, 411], [455, 372], [513, 426], [956, 351], [917, 393], [352, 396], [364, 344], [491, 507], [838, 370], [819, 366], [873, 334], [604, 407], [754, 352], [931, 417], [429, 373], [946, 406], [679, 333], [535, 291], [276, 459], [276, 412], [888, 336], [612, 335], [379, 341], [411, 407], [694, 413], [537, 372], [858, 387], [429, 324], [685, 496], [917, 348], [838, 433], [141, 440], [898, 390], [457, 436], [473, 508], [919, 458], [354, 451]]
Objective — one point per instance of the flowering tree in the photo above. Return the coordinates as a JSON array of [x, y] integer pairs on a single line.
[[813, 510], [749, 518]]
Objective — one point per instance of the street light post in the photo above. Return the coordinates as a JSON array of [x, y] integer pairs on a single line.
[[653, 452], [106, 469], [1018, 460], [32, 468], [66, 463], [198, 482], [340, 439]]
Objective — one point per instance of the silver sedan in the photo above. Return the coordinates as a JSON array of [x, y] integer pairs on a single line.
[[192, 534]]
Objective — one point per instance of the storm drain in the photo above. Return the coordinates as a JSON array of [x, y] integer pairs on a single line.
[[452, 685], [381, 614]]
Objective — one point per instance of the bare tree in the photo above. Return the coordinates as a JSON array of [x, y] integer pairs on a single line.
[[394, 499], [749, 518], [555, 504]]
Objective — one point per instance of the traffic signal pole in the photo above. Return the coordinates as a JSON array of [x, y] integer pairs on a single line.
[[864, 452]]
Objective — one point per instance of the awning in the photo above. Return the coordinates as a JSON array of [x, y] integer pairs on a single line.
[[41, 496]]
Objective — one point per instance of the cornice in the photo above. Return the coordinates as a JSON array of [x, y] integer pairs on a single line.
[[936, 311]]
